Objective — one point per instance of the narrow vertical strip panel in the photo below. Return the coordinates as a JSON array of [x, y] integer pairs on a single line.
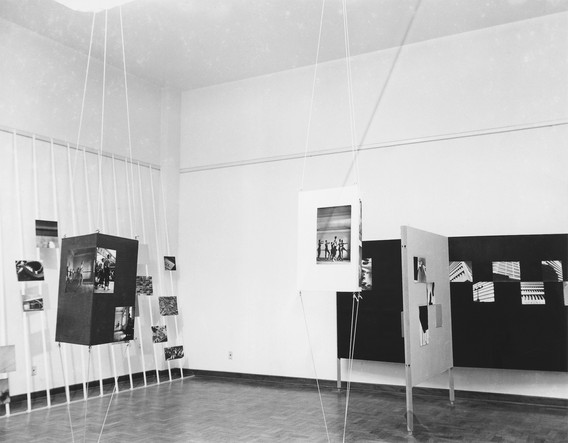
[[71, 190], [87, 191], [129, 195], [129, 365], [114, 186], [100, 358], [63, 351], [27, 370], [3, 310], [114, 372]]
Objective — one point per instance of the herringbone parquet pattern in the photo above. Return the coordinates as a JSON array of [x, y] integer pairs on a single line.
[[214, 409]]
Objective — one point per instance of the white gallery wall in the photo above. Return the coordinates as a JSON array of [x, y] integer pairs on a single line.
[[469, 139], [42, 176]]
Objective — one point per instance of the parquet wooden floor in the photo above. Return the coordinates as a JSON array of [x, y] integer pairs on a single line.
[[216, 409]]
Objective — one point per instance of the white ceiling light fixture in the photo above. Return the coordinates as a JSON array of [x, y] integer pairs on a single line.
[[92, 5]]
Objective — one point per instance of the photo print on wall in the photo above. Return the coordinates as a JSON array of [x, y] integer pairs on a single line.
[[532, 293], [4, 391], [565, 285], [34, 304], [169, 263], [430, 296], [333, 235], [420, 270], [366, 280], [168, 306], [552, 270], [506, 271], [29, 270], [173, 352], [424, 332], [159, 334], [79, 275], [105, 267], [144, 285], [123, 323], [460, 271], [484, 291], [46, 234]]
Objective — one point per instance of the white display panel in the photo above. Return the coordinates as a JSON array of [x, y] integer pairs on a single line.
[[329, 240]]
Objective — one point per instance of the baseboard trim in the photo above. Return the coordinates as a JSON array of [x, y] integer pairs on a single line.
[[387, 389]]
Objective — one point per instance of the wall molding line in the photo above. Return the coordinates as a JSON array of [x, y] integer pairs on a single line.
[[383, 145], [89, 150]]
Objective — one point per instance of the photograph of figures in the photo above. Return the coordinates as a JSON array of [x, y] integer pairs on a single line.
[[173, 353], [29, 270], [420, 270], [105, 267], [333, 235], [46, 234], [366, 280], [80, 273], [123, 323]]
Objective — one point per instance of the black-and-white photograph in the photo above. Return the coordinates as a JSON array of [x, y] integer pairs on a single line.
[[168, 305], [424, 332], [533, 293], [35, 304], [31, 270], [173, 352], [461, 271], [123, 323], [4, 391], [419, 268], [80, 273], [333, 234], [483, 291], [144, 285], [46, 234], [159, 334], [105, 269], [366, 279], [170, 263], [430, 295], [506, 271], [552, 270]]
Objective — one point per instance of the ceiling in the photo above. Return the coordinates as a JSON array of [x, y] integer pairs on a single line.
[[188, 44]]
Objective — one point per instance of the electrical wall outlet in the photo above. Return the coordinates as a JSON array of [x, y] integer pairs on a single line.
[[34, 370], [230, 355]]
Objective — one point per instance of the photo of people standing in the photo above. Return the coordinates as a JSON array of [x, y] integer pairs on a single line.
[[105, 267], [333, 234]]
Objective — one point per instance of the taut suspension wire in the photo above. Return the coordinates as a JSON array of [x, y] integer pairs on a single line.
[[352, 336], [84, 96], [314, 366], [65, 384], [310, 113], [100, 203]]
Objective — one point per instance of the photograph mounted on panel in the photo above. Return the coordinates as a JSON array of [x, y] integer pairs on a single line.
[[430, 296], [333, 234], [484, 291], [159, 334], [506, 271], [4, 391], [366, 281], [173, 352], [29, 270], [423, 331], [420, 270], [46, 234], [123, 323], [105, 271], [169, 263], [34, 304], [144, 285], [7, 359], [80, 274], [168, 306], [565, 285], [552, 270], [460, 271], [532, 293]]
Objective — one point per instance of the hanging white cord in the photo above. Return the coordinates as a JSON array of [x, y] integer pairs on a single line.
[[65, 384], [100, 203], [310, 112], [84, 96], [352, 338], [314, 366]]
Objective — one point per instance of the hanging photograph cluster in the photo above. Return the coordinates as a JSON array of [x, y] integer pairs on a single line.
[[97, 289]]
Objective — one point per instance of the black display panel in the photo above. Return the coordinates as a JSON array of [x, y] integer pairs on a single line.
[[379, 332], [509, 297], [97, 289]]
